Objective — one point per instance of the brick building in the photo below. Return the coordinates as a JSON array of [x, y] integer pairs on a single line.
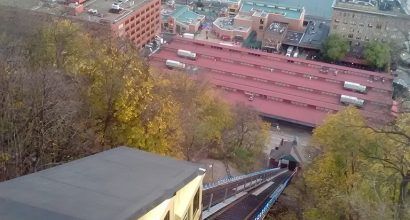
[[180, 19], [257, 16], [366, 20], [274, 36], [137, 20]]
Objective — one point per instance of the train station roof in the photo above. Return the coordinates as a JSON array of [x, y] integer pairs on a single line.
[[285, 88]]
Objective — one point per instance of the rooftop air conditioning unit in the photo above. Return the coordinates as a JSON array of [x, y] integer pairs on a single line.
[[115, 6]]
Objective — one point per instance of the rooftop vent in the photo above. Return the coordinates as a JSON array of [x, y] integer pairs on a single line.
[[92, 11], [115, 8]]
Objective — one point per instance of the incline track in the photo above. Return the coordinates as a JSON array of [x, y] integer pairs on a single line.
[[246, 207]]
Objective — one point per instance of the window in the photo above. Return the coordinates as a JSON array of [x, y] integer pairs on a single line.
[[167, 216], [370, 25], [196, 202], [260, 27], [350, 36], [261, 21], [379, 26]]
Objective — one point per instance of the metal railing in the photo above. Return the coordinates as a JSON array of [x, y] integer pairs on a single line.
[[227, 180]]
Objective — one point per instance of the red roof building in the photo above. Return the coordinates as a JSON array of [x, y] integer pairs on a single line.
[[285, 88]]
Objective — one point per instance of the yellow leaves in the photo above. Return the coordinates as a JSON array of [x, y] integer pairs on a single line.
[[358, 165], [4, 157], [62, 45]]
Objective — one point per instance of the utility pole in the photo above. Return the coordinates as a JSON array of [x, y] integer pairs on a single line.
[[402, 195]]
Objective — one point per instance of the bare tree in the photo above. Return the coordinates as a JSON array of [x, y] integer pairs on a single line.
[[41, 121]]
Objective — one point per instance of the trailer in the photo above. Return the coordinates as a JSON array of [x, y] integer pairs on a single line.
[[345, 99], [188, 35], [354, 86], [187, 54], [174, 64]]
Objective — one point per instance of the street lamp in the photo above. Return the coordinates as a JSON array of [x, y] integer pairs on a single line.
[[212, 170]]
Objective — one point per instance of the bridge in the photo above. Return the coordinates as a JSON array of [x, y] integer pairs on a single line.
[[285, 88], [244, 197]]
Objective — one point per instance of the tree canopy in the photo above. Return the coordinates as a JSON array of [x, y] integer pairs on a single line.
[[360, 170], [66, 95], [335, 48], [377, 54]]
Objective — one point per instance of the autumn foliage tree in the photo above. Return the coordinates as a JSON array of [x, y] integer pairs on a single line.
[[66, 95], [360, 171]]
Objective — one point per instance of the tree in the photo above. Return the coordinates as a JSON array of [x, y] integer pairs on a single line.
[[62, 45], [377, 54], [202, 116], [335, 48], [72, 95], [41, 121], [360, 170], [245, 139]]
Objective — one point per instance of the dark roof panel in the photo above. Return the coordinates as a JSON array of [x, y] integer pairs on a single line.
[[121, 183]]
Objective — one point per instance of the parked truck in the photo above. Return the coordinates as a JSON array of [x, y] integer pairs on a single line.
[[174, 64], [187, 54]]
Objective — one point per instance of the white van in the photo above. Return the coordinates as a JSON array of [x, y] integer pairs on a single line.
[[289, 51]]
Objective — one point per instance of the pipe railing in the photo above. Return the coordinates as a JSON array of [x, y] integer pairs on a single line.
[[227, 180]]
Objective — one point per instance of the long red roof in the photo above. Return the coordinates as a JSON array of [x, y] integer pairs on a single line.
[[286, 88]]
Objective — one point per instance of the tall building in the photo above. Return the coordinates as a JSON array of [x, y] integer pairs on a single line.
[[365, 20], [137, 20], [121, 183]]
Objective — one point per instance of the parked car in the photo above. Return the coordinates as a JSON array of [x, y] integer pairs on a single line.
[[289, 51], [296, 54]]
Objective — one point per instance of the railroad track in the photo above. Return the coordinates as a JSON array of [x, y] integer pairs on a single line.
[[247, 206], [219, 193]]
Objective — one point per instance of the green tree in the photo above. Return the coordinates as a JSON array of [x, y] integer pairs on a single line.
[[245, 139], [345, 183], [335, 48], [377, 54]]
